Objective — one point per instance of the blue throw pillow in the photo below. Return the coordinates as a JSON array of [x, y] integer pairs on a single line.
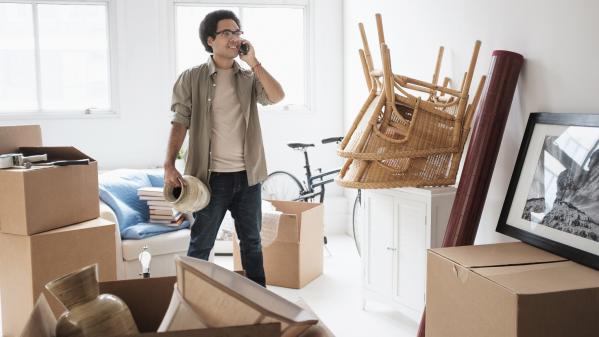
[[118, 189], [156, 178]]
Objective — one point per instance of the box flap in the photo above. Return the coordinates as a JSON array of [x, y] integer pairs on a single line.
[[13, 137], [543, 277], [55, 152], [293, 207], [501, 254], [41, 322], [312, 223], [291, 219], [94, 223]]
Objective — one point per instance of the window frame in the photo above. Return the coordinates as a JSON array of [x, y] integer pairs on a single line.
[[308, 8], [111, 35]]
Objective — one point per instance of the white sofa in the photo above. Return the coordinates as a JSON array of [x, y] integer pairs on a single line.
[[163, 247]]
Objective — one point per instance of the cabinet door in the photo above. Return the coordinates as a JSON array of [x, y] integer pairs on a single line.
[[410, 261], [378, 257]]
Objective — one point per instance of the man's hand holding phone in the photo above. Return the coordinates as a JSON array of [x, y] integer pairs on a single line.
[[247, 53]]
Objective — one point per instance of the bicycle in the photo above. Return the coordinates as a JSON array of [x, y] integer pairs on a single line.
[[282, 185]]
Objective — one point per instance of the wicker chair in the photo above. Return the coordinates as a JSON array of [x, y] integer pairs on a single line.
[[402, 139]]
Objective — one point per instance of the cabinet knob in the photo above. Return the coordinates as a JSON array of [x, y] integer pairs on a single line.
[[391, 248]]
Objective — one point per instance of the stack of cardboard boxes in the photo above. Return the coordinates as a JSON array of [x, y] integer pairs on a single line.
[[49, 225]]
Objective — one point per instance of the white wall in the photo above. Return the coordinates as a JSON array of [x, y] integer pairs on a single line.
[[137, 137], [557, 38]]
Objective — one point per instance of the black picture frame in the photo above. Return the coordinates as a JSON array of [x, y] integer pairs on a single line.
[[551, 209]]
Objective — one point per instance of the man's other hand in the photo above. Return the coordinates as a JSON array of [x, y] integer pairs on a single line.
[[172, 177]]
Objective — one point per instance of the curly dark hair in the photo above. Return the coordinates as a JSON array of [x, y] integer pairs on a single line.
[[210, 22]]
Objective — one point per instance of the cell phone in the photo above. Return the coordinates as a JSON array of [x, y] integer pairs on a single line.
[[244, 48]]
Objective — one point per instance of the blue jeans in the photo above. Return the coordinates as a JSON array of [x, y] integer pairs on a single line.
[[230, 191]]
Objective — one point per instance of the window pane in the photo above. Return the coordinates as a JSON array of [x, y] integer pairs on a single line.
[[74, 57], [278, 36], [190, 50], [17, 58]]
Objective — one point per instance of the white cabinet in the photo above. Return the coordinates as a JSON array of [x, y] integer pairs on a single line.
[[399, 226]]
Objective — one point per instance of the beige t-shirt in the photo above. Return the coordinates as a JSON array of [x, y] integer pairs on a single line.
[[228, 125]]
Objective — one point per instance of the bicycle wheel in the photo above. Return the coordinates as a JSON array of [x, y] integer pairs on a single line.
[[357, 222], [281, 185]]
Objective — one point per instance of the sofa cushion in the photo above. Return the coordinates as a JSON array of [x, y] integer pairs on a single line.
[[143, 230], [167, 243]]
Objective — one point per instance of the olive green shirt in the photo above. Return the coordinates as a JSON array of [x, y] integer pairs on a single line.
[[193, 94]]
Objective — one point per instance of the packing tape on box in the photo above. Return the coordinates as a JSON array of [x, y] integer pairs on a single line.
[[192, 196]]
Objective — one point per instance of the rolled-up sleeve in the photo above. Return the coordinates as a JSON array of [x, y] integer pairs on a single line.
[[260, 93], [181, 101]]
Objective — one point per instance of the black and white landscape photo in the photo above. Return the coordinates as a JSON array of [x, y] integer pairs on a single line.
[[564, 193]]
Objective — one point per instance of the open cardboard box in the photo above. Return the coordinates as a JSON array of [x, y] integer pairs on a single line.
[[148, 300], [44, 198], [509, 290], [295, 258]]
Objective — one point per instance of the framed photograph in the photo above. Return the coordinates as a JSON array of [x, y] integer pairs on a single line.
[[553, 197]]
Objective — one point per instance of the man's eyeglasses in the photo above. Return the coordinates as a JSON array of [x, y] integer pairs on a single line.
[[227, 33]]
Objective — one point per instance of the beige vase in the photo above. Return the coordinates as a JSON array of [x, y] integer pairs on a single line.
[[89, 313]]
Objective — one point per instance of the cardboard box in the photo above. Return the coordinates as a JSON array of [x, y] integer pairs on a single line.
[[509, 290], [44, 198], [294, 259], [148, 299], [27, 263]]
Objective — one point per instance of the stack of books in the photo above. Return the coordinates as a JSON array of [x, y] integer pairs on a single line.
[[161, 211]]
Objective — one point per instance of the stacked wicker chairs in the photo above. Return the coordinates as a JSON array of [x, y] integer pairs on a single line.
[[408, 132]]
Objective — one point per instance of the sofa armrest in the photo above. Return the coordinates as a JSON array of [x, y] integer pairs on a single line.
[[108, 214]]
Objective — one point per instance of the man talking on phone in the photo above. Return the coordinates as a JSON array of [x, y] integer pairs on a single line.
[[217, 102]]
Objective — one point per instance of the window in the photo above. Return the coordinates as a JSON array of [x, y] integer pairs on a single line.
[[278, 31], [54, 57]]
